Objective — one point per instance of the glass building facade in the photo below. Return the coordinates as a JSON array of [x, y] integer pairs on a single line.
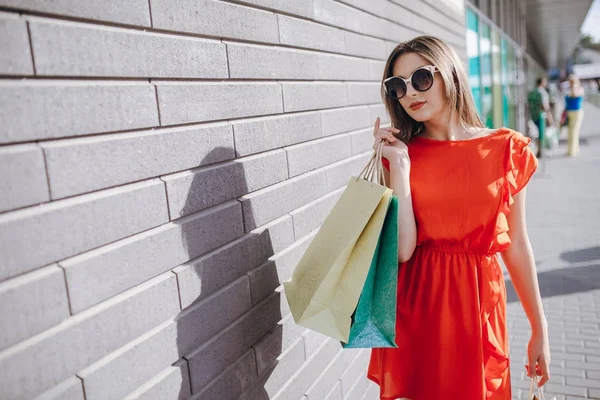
[[500, 73]]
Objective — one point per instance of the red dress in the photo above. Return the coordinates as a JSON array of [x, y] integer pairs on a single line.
[[451, 316]]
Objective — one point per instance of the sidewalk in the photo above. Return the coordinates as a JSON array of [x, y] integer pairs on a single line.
[[563, 218]]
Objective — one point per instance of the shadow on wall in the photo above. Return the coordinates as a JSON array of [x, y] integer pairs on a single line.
[[226, 311]]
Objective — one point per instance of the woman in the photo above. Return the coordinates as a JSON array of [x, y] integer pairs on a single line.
[[461, 199], [573, 106]]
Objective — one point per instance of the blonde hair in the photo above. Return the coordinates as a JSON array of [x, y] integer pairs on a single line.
[[458, 94]]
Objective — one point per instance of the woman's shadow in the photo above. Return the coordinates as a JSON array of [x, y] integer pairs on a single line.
[[228, 336]]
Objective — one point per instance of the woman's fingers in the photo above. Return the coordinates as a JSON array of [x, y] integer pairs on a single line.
[[376, 128], [543, 371]]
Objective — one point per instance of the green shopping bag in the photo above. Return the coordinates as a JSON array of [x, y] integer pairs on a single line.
[[374, 320]]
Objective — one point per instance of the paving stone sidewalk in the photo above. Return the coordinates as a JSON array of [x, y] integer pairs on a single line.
[[563, 218]]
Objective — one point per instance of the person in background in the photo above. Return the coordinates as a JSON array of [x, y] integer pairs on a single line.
[[573, 105], [538, 101]]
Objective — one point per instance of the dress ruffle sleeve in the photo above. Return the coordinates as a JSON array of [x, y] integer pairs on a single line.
[[519, 165]]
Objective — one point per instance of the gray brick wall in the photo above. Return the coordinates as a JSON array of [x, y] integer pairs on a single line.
[[163, 167]]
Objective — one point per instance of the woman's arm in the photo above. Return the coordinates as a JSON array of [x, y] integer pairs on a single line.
[[398, 179], [400, 183], [520, 263]]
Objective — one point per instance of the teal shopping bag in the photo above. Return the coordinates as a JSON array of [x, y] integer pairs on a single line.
[[374, 320]]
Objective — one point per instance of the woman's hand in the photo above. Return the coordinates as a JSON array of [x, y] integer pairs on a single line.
[[538, 353], [393, 146]]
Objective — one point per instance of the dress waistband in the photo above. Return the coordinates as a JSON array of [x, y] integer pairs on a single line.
[[455, 249]]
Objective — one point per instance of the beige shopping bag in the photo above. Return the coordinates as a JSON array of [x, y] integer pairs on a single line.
[[326, 284], [540, 392]]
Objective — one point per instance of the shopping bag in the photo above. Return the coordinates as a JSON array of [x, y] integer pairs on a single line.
[[564, 119], [551, 140], [326, 284], [540, 392], [374, 321]]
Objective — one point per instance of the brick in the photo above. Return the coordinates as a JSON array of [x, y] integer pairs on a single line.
[[345, 119], [268, 277], [38, 236], [215, 18], [15, 57], [32, 303], [209, 315], [284, 307], [594, 393], [233, 381], [359, 389], [271, 203], [342, 68], [337, 14], [284, 366], [291, 332], [303, 8], [198, 189], [336, 392], [257, 391], [212, 358], [267, 133], [82, 165], [377, 7], [309, 156], [390, 46], [364, 93], [187, 102], [171, 383], [312, 342], [299, 96], [362, 140], [365, 46], [203, 276], [310, 371], [301, 33], [310, 216], [355, 371], [379, 110], [123, 371], [74, 49], [260, 62], [268, 348], [99, 274], [39, 109], [564, 389], [82, 340], [71, 389], [588, 374], [322, 386], [588, 383], [339, 174], [134, 12], [23, 181], [376, 69], [372, 392]]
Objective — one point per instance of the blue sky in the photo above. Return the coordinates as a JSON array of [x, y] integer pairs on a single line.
[[591, 25]]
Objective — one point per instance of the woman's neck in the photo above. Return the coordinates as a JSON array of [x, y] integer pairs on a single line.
[[448, 128]]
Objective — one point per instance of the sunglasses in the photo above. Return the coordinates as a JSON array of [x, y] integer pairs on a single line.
[[421, 80]]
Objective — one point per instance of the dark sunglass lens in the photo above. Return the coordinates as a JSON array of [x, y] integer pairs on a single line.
[[422, 80], [396, 88]]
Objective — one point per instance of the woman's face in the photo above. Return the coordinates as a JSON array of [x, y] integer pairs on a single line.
[[421, 106]]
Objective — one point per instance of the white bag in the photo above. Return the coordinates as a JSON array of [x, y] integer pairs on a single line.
[[540, 392]]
